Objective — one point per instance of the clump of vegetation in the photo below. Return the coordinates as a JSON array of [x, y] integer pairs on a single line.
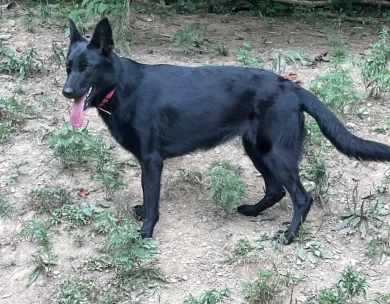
[[13, 114], [125, 249], [190, 39], [44, 257], [227, 188], [47, 199], [78, 290], [374, 66], [267, 288], [5, 207], [313, 250], [57, 56], [282, 58], [209, 296], [22, 66], [380, 244], [78, 147], [74, 214], [337, 45], [246, 57], [336, 90], [350, 287], [362, 218]]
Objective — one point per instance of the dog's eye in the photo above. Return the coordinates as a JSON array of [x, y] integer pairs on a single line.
[[68, 68]]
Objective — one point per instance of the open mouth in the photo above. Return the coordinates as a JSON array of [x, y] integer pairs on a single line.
[[79, 105]]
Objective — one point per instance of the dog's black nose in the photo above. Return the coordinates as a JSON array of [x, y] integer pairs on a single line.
[[68, 92]]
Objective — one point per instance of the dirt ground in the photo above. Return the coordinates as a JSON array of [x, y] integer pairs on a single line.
[[193, 234]]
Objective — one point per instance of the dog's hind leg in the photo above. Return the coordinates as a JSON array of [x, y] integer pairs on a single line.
[[274, 190], [286, 171]]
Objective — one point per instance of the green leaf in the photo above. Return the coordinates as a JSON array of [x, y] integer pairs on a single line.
[[312, 258], [105, 204], [302, 254], [101, 7], [33, 276], [383, 257]]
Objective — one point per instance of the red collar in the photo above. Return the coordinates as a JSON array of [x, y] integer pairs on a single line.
[[105, 100]]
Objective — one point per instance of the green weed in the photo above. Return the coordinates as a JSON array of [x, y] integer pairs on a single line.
[[373, 66], [74, 214], [282, 58], [124, 248], [380, 244], [209, 297], [265, 289], [44, 256], [47, 199], [313, 250], [25, 65], [337, 45], [78, 291], [227, 188], [57, 55], [363, 218], [13, 114], [246, 57], [190, 39], [336, 90], [5, 207]]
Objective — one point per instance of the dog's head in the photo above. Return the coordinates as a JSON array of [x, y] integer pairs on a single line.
[[90, 68]]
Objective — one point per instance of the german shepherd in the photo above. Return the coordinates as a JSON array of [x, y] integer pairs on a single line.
[[162, 111]]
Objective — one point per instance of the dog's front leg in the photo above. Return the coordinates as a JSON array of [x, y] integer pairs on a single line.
[[151, 179]]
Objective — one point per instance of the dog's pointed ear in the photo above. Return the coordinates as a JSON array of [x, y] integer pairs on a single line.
[[74, 32], [102, 37]]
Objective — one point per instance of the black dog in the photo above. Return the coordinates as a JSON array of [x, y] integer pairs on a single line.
[[163, 111]]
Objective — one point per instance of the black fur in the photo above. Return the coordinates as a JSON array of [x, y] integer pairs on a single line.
[[163, 111]]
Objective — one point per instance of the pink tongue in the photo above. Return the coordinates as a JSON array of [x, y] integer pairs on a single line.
[[77, 113]]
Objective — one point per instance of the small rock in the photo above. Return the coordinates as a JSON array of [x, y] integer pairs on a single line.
[[7, 295], [56, 272], [11, 23], [353, 262]]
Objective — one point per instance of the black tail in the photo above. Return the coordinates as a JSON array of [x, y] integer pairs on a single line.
[[338, 135]]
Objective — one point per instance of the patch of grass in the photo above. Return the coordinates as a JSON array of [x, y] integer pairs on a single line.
[[109, 172], [265, 289], [125, 250], [13, 113], [282, 58], [77, 147], [74, 214], [15, 172], [209, 296], [74, 147], [363, 218], [5, 207], [57, 56], [374, 66], [44, 257], [227, 188], [47, 199], [79, 239], [78, 291], [313, 250], [382, 299], [29, 21], [380, 244], [192, 177], [350, 287], [190, 39], [337, 46], [246, 57], [336, 90], [121, 24], [24, 65]]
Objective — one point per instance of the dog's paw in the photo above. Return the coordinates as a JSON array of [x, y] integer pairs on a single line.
[[283, 237], [139, 212], [248, 210], [145, 234]]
